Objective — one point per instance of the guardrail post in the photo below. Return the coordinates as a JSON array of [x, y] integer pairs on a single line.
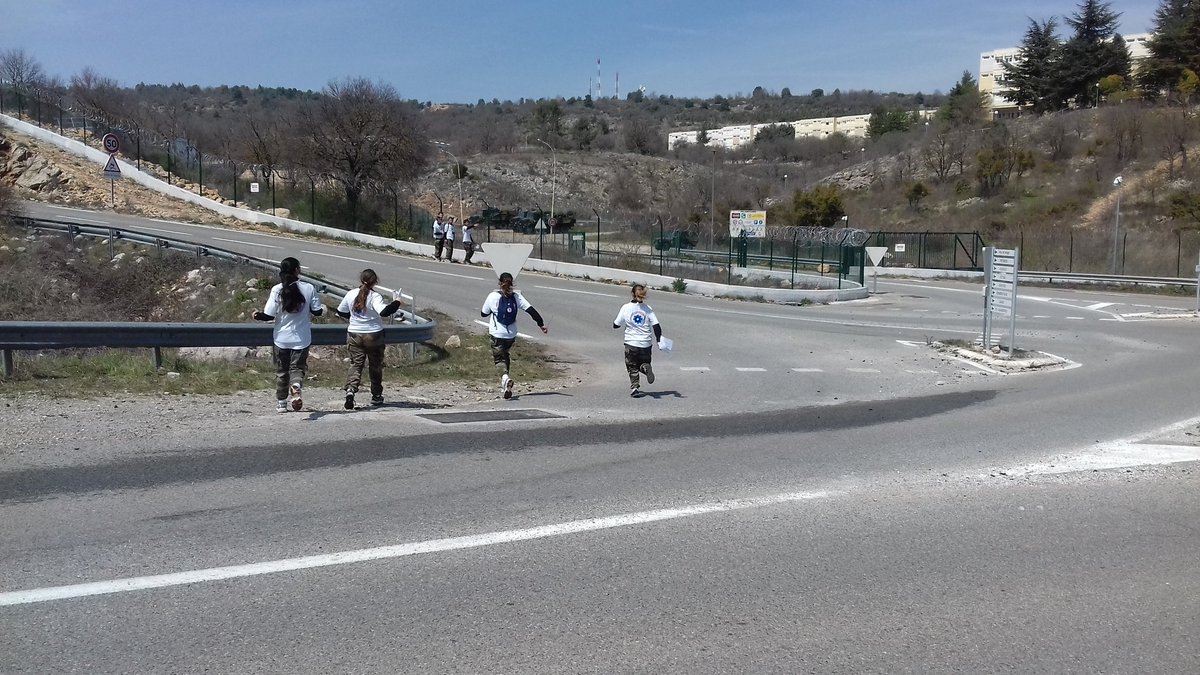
[[158, 361], [8, 364]]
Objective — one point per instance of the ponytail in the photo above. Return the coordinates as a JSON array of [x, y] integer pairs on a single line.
[[289, 295], [367, 280]]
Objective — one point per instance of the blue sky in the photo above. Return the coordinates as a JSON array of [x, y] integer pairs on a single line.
[[461, 51]]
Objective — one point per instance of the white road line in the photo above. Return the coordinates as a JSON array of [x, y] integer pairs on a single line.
[[807, 370], [1100, 305], [1121, 453], [863, 370], [397, 551], [920, 371], [751, 370], [1075, 318], [244, 243], [568, 290], [446, 274], [89, 220], [485, 324], [339, 257], [694, 369], [135, 228]]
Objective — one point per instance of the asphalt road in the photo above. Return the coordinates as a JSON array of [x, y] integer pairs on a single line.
[[807, 489]]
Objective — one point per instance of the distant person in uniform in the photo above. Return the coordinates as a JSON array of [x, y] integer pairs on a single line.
[[291, 305], [365, 309], [502, 306], [449, 228], [439, 236], [641, 332], [468, 240]]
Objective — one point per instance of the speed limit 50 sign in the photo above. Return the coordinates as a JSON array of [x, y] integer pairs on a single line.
[[112, 144]]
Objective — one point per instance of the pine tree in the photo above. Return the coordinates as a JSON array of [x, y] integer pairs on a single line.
[[1094, 52], [1174, 47], [964, 104], [1030, 79]]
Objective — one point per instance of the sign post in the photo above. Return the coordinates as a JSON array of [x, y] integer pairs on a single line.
[[112, 171], [876, 254], [1000, 293]]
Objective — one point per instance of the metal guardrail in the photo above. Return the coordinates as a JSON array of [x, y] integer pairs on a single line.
[[1111, 279], [38, 335]]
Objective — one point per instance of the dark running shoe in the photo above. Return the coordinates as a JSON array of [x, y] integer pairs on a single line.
[[637, 393], [649, 373], [349, 401], [376, 401]]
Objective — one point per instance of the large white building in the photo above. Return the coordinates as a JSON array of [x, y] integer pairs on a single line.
[[729, 138], [991, 71]]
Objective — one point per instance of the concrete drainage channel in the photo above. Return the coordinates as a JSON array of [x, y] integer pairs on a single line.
[[490, 416]]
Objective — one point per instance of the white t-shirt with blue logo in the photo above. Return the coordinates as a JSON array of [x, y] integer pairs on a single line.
[[491, 307], [638, 319]]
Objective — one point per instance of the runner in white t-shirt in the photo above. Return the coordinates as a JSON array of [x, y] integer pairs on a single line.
[[501, 306], [366, 309], [641, 332], [291, 305]]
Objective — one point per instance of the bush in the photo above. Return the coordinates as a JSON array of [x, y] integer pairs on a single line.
[[679, 286]]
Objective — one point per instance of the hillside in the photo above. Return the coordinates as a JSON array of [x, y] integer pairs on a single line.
[[1057, 203]]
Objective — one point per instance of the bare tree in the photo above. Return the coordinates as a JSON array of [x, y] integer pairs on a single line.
[[360, 133], [944, 151], [1172, 130], [19, 70], [1123, 125]]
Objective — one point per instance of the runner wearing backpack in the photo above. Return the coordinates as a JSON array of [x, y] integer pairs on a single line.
[[502, 306]]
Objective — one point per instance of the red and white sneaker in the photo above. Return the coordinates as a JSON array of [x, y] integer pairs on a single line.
[[506, 384], [297, 401]]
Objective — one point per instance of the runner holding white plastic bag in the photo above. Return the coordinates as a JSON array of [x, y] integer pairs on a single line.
[[641, 331]]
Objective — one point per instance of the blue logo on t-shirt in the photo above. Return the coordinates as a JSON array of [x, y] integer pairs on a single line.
[[639, 319]]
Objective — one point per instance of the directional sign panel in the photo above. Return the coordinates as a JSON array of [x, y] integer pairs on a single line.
[[507, 257]]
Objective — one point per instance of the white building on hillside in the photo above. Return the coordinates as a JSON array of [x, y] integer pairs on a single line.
[[729, 138], [991, 71]]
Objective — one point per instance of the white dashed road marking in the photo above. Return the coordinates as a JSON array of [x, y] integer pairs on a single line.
[[752, 370]]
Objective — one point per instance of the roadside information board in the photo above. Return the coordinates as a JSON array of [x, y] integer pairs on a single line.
[[1000, 292], [753, 223]]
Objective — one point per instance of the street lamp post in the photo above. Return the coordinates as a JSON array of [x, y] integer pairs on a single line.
[[785, 184], [444, 147], [1116, 223], [712, 207], [553, 187]]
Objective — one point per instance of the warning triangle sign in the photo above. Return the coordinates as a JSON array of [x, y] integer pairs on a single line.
[[111, 169], [507, 257]]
